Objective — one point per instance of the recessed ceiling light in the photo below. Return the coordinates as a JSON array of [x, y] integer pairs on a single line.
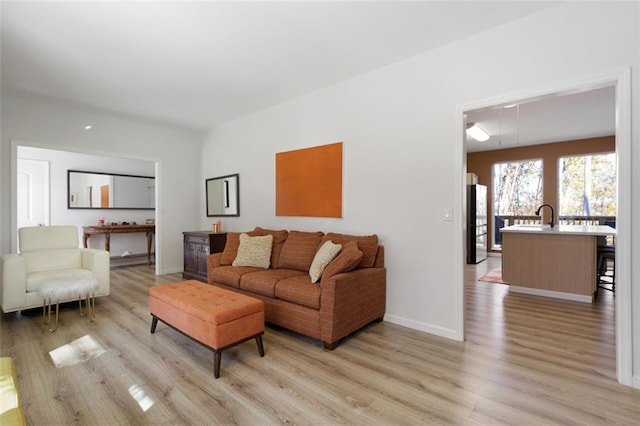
[[88, 127], [510, 106]]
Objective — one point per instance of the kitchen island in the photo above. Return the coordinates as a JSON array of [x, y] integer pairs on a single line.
[[553, 262]]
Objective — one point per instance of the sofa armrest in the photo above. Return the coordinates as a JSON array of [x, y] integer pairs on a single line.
[[14, 282], [98, 262], [213, 261], [351, 300]]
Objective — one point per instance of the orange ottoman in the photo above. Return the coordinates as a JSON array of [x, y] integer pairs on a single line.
[[214, 317]]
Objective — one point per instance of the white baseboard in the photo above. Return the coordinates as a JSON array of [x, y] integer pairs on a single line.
[[171, 271], [550, 293], [635, 382], [420, 326]]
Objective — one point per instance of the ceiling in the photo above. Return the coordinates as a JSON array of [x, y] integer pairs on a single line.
[[201, 64], [552, 118]]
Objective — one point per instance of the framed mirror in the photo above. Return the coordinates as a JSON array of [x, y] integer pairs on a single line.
[[98, 190], [223, 195]]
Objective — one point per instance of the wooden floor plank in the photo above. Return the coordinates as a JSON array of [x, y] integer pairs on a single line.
[[526, 360]]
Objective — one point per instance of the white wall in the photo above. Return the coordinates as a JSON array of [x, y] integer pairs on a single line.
[[176, 152], [60, 214], [401, 133]]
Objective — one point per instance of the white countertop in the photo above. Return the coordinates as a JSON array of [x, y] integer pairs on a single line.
[[597, 230]]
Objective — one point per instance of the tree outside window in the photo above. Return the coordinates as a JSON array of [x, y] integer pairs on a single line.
[[517, 191], [517, 187], [587, 185]]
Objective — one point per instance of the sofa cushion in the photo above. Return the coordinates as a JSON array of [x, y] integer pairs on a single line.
[[264, 282], [230, 275], [367, 244], [231, 247], [348, 258], [299, 290], [254, 251], [299, 250], [325, 254], [279, 237]]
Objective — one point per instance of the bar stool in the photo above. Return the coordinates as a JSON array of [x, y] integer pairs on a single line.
[[606, 268]]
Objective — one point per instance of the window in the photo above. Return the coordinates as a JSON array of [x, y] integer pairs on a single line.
[[517, 193], [587, 185]]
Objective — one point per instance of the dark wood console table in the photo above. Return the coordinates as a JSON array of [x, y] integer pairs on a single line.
[[107, 230]]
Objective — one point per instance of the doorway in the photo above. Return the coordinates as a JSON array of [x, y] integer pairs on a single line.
[[63, 206], [33, 192], [620, 82]]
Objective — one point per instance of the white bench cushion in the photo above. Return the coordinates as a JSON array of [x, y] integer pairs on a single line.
[[37, 280]]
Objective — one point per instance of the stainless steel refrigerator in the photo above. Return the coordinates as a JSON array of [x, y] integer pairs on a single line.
[[476, 223]]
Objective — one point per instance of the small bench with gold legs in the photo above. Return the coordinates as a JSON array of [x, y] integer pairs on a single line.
[[83, 288]]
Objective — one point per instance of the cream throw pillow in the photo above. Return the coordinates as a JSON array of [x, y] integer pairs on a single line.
[[254, 251], [323, 257]]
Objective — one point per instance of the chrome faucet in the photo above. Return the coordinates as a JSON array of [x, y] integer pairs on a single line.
[[551, 224]]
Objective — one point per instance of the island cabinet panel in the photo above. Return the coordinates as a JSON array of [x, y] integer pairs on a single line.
[[197, 246], [558, 263]]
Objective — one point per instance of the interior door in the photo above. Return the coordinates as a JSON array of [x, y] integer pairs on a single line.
[[33, 192]]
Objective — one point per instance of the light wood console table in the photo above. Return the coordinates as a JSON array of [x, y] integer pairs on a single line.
[[107, 230]]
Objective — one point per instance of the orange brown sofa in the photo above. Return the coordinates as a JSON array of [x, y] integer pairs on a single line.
[[349, 294]]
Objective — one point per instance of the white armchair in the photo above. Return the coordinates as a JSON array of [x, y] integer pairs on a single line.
[[48, 254]]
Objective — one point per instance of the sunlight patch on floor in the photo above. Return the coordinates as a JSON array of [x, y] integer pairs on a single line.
[[80, 350], [144, 401]]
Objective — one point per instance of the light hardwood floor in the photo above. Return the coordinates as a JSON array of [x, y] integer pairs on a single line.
[[526, 360]]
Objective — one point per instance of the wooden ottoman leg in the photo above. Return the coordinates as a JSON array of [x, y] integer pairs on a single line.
[[260, 346], [217, 355], [154, 323]]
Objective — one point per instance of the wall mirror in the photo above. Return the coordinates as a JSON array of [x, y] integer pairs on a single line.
[[223, 195], [97, 190]]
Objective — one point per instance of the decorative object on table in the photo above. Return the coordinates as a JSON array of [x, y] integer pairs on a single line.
[[216, 227]]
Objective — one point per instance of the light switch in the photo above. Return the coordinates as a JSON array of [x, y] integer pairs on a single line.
[[448, 214]]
